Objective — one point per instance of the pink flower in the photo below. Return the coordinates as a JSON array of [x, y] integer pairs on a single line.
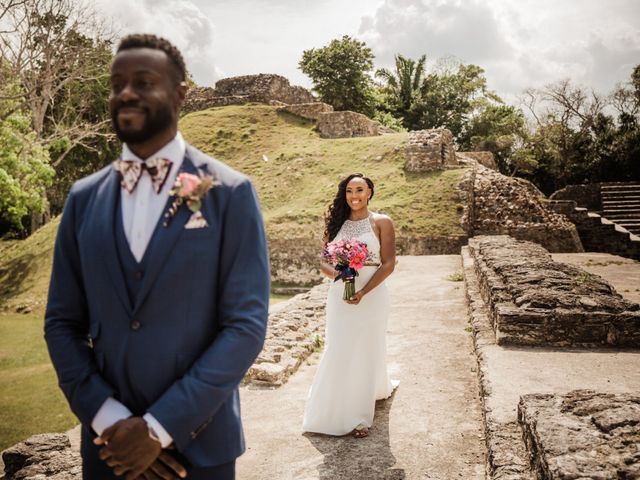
[[188, 184]]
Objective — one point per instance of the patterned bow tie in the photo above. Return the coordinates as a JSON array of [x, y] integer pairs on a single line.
[[131, 171]]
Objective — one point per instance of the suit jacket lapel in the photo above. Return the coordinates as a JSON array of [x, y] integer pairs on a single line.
[[107, 197], [165, 238]]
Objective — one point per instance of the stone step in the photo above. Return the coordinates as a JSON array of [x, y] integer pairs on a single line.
[[620, 194], [621, 214], [620, 186], [623, 203]]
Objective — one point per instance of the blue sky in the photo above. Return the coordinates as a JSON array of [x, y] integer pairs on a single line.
[[519, 43]]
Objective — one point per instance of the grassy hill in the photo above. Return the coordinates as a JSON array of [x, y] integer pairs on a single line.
[[296, 174]]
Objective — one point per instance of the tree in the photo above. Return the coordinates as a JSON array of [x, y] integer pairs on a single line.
[[25, 172], [47, 52], [62, 72], [340, 74], [450, 97], [402, 86], [502, 130]]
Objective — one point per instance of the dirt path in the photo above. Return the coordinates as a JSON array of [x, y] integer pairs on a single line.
[[431, 428]]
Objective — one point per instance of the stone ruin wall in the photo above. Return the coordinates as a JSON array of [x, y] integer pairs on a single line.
[[582, 434], [429, 150], [501, 205], [346, 124], [536, 301], [586, 196], [486, 159], [308, 111], [262, 88]]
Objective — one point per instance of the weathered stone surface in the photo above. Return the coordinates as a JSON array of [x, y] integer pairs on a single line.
[[507, 458], [295, 330], [346, 124], [534, 300], [429, 150], [309, 111], [597, 233], [262, 88], [295, 261], [582, 435], [504, 205], [46, 456], [485, 159], [586, 196]]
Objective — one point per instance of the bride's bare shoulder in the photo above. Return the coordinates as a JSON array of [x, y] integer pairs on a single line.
[[382, 222]]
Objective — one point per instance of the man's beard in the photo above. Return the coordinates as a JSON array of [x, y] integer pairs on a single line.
[[153, 124]]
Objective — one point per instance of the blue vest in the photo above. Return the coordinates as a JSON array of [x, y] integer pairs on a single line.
[[132, 269]]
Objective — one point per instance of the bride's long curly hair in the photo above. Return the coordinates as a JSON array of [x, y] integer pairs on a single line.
[[339, 210]]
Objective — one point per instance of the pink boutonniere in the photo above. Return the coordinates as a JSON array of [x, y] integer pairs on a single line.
[[189, 189]]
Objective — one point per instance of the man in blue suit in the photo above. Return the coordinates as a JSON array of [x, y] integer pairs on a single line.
[[158, 298]]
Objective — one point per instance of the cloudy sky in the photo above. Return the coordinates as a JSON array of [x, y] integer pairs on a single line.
[[519, 43]]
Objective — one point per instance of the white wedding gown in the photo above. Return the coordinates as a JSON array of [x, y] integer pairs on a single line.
[[352, 373]]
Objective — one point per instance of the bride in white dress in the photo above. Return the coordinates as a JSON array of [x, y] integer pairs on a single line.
[[352, 373]]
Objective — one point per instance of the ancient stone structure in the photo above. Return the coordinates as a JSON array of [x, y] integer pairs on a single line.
[[501, 205], [345, 124], [46, 456], [296, 261], [599, 234], [485, 159], [582, 435], [429, 150], [586, 196], [507, 458], [621, 204], [533, 300], [308, 111], [296, 329], [261, 88], [264, 88]]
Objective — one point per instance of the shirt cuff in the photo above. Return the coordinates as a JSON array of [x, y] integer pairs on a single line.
[[163, 435], [110, 412]]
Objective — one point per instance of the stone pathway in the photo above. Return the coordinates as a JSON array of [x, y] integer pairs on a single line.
[[431, 428]]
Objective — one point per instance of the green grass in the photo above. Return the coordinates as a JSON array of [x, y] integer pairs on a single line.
[[30, 400], [302, 170]]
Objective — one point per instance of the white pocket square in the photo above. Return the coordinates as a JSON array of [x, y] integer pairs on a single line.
[[196, 221]]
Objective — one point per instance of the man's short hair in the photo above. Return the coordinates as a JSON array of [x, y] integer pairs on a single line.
[[147, 40]]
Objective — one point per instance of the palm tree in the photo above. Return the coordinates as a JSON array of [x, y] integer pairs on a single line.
[[404, 83]]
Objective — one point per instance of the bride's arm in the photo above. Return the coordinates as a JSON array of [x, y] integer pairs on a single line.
[[328, 270], [387, 258]]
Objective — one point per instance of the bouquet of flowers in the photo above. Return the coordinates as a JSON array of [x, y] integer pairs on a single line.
[[348, 256]]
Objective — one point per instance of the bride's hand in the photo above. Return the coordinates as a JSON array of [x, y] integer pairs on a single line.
[[355, 300]]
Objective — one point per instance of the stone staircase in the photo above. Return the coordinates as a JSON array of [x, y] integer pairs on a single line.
[[621, 204], [598, 233]]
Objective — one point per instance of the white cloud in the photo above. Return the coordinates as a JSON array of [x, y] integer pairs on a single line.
[[521, 44], [181, 22]]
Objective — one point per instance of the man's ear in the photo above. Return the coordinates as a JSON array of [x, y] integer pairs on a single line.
[[182, 89]]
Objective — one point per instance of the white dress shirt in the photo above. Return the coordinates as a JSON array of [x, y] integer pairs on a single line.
[[141, 211]]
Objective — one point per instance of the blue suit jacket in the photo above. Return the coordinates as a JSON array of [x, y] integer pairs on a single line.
[[202, 311]]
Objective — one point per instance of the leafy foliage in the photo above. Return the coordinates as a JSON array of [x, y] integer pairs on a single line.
[[340, 74], [25, 172]]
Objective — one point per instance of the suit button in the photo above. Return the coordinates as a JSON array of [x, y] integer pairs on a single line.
[[135, 325], [138, 275]]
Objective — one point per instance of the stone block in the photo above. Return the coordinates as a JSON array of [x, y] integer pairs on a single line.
[[534, 300], [346, 124], [582, 434], [428, 150]]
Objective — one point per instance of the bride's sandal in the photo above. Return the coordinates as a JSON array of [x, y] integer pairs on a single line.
[[361, 431]]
